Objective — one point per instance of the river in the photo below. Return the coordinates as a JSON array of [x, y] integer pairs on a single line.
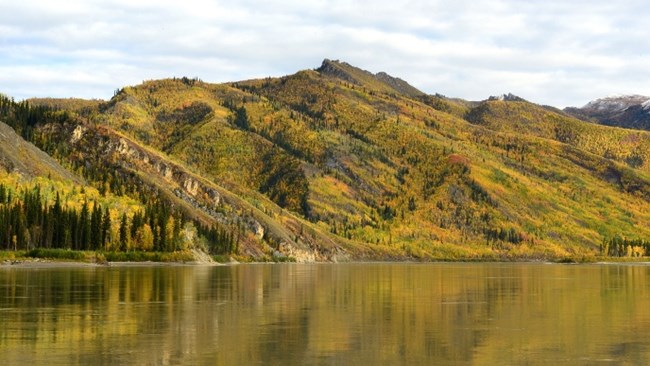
[[326, 314]]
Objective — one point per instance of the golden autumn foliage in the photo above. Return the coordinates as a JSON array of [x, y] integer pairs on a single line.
[[372, 166]]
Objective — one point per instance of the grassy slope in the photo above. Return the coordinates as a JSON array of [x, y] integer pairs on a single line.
[[20, 156]]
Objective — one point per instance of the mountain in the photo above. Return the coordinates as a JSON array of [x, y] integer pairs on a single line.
[[338, 163], [627, 111]]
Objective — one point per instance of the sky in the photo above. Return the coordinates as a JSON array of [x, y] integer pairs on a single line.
[[559, 53]]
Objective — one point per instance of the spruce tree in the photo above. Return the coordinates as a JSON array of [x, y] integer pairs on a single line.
[[84, 227], [58, 224], [95, 227], [123, 233], [105, 228]]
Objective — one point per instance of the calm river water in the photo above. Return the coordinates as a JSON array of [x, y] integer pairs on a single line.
[[326, 314]]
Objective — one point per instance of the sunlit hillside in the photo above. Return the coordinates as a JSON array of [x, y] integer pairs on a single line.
[[338, 163]]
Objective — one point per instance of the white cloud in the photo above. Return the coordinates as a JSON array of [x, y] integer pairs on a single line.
[[552, 52]]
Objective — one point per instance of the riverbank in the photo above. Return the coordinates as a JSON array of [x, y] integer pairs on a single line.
[[42, 258], [37, 257]]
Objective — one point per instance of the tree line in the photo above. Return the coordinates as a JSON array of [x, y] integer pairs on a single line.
[[623, 247], [29, 221], [23, 117]]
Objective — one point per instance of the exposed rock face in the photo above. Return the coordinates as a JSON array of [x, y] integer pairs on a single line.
[[333, 68], [256, 228], [171, 173], [301, 255], [191, 186], [77, 134]]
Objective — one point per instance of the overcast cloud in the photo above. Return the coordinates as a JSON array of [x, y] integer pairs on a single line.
[[551, 52]]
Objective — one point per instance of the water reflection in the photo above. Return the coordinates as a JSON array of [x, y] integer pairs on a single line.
[[479, 314]]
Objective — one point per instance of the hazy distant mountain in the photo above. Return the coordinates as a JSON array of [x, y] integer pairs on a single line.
[[628, 111], [338, 163]]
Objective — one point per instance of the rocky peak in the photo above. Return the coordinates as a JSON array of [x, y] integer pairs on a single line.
[[357, 76], [507, 98], [336, 69]]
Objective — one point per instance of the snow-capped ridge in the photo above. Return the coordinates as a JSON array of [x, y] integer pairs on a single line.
[[617, 103], [626, 111], [646, 105]]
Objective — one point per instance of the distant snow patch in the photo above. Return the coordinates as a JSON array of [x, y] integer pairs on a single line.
[[646, 105]]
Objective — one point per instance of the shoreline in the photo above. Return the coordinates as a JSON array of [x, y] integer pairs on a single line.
[[48, 263], [44, 263], [70, 258]]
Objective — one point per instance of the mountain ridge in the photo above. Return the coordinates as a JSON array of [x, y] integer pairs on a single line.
[[349, 73], [338, 163]]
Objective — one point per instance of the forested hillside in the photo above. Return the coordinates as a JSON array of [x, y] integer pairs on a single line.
[[337, 163]]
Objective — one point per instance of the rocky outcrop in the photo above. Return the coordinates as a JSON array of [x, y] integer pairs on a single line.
[[77, 134], [202, 196], [334, 68], [300, 255], [507, 98], [198, 193]]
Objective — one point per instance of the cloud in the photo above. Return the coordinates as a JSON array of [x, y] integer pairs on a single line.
[[552, 52]]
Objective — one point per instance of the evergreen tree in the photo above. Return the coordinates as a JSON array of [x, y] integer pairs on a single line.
[[105, 228], [95, 227], [176, 232], [123, 233], [84, 227], [75, 230], [58, 234], [163, 218], [151, 213], [241, 118]]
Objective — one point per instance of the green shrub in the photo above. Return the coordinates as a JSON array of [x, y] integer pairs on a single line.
[[139, 256]]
